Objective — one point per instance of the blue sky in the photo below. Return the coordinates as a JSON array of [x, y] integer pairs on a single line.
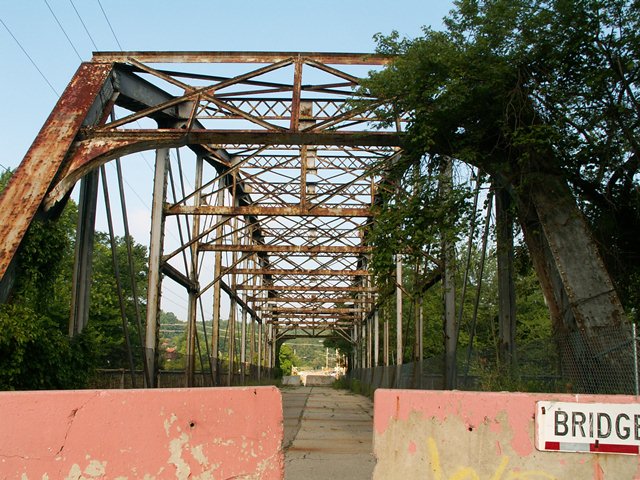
[[241, 25]]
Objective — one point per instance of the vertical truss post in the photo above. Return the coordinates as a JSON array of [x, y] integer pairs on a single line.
[[243, 336], [215, 327], [155, 259], [420, 331], [399, 310], [354, 339], [506, 287], [193, 273], [295, 100], [231, 336], [376, 338], [365, 342], [370, 319], [83, 253], [303, 176], [416, 327], [233, 303], [270, 346], [449, 321], [369, 342], [420, 341], [275, 361], [365, 329], [252, 334], [448, 249], [260, 349], [243, 326], [252, 346], [386, 336], [304, 111]]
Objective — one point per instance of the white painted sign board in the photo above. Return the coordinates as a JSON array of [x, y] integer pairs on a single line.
[[588, 427]]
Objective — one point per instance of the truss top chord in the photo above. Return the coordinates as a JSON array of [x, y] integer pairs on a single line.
[[242, 57]]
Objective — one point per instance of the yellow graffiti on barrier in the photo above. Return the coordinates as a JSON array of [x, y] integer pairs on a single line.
[[469, 473]]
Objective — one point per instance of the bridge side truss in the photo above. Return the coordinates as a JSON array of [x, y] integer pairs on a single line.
[[270, 190]]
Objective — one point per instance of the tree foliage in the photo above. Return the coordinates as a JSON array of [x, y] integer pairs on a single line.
[[104, 310], [287, 359], [35, 350], [523, 88]]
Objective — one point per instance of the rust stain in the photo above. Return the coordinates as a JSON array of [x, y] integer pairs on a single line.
[[29, 184], [244, 57]]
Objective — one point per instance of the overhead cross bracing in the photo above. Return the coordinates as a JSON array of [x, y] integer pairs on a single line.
[[272, 196]]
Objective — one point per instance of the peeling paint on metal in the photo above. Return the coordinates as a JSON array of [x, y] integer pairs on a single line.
[[30, 182]]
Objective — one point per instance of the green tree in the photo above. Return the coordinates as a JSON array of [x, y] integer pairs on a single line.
[[287, 359], [541, 96], [104, 312], [35, 352]]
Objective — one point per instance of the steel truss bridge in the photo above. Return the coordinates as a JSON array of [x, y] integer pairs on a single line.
[[273, 204]]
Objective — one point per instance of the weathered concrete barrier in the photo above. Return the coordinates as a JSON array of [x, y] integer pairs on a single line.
[[500, 436], [292, 380], [318, 380], [129, 434]]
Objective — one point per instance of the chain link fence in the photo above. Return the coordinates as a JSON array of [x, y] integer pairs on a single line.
[[603, 361]]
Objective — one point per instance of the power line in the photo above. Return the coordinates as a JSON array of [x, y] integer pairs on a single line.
[[83, 24], [63, 30], [109, 23], [29, 57]]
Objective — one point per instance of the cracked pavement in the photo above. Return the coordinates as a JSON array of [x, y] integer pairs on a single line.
[[328, 434]]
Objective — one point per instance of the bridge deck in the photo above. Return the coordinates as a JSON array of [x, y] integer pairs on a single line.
[[327, 434]]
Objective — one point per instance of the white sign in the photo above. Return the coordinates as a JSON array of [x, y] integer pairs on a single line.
[[588, 427]]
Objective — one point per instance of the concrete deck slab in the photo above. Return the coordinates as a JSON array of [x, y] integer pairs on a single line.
[[327, 434]]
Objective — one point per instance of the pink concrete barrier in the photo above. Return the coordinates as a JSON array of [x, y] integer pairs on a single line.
[[471, 436], [219, 433]]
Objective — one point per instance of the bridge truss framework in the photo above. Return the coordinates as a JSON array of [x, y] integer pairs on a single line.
[[272, 207]]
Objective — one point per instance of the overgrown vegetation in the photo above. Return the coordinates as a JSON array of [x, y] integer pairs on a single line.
[[35, 349], [35, 352], [537, 94]]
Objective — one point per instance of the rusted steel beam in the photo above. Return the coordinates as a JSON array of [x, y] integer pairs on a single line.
[[309, 314], [310, 299], [95, 148], [179, 277], [284, 248], [229, 291], [311, 324], [290, 211], [316, 318], [242, 57], [275, 311], [180, 137], [311, 272], [82, 103], [295, 288]]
